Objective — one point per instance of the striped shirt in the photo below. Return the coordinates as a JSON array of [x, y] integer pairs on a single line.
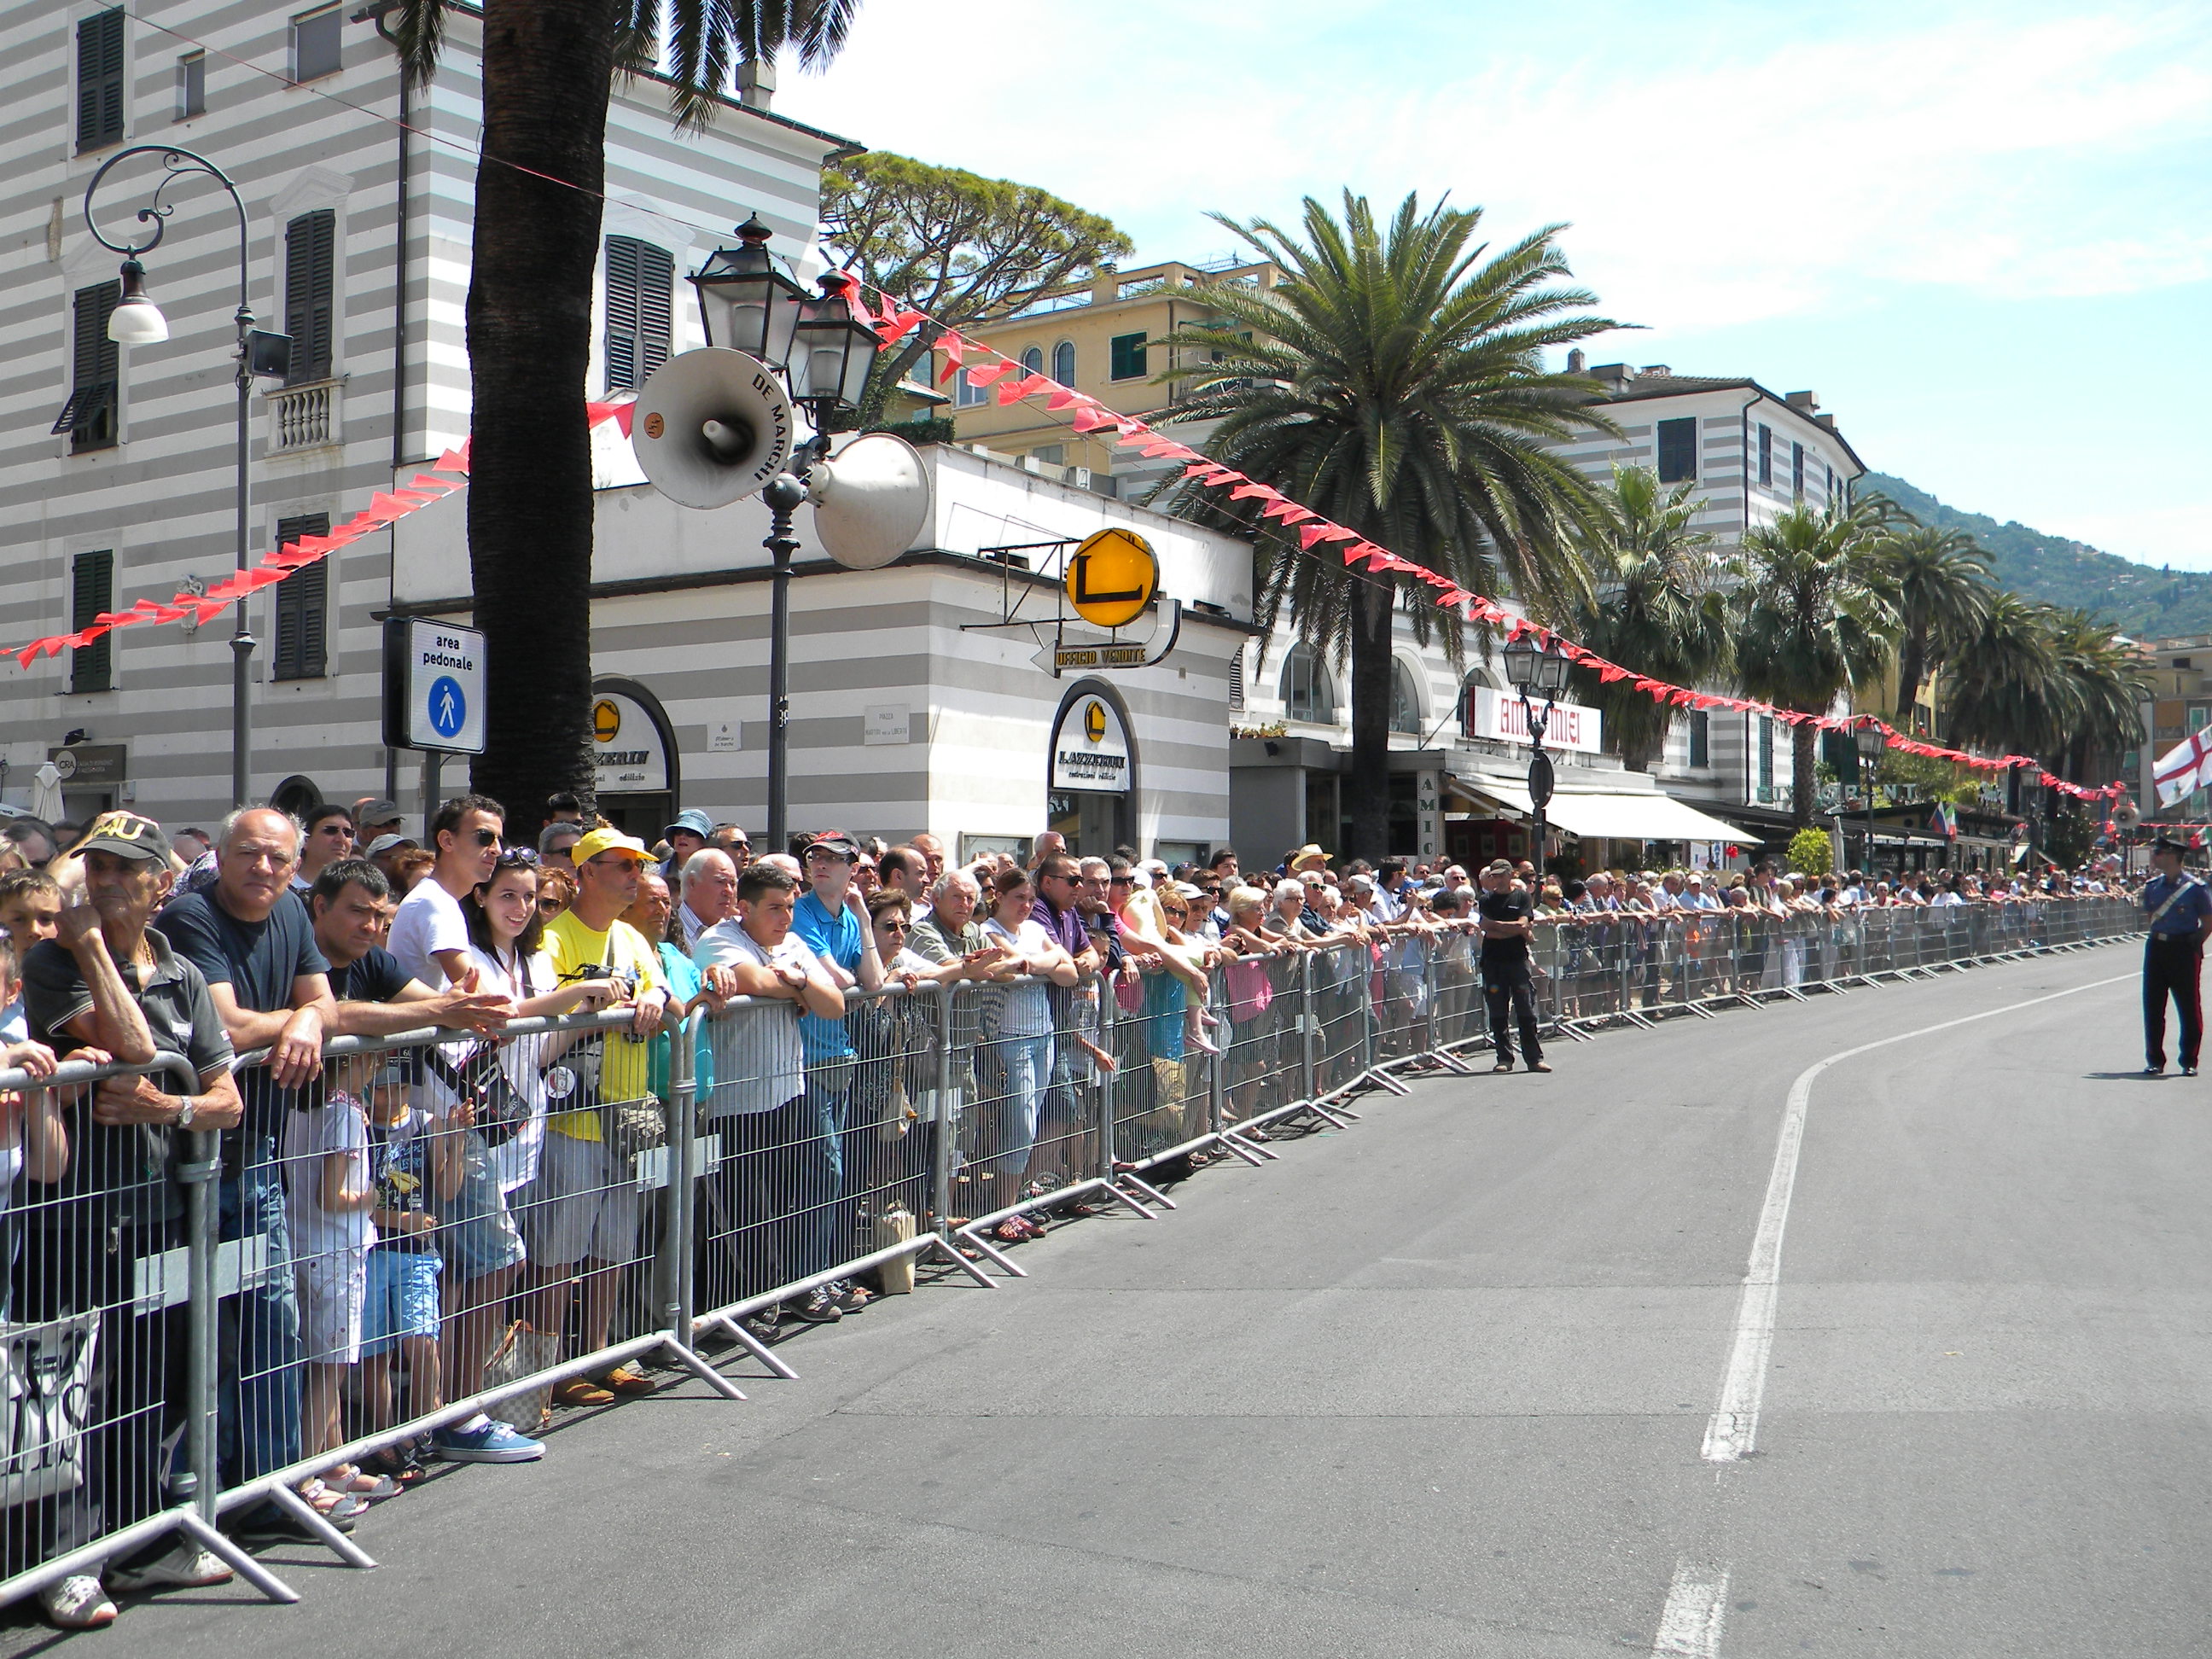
[[759, 1064]]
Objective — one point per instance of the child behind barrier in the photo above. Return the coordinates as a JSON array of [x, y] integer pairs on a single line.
[[417, 1171], [34, 1139]]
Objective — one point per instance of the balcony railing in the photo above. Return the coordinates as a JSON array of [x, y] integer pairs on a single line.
[[307, 416]]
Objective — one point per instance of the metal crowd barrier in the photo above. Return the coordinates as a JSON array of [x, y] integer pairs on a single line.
[[570, 1198]]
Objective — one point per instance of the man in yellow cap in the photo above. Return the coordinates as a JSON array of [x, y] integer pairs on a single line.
[[582, 1217]]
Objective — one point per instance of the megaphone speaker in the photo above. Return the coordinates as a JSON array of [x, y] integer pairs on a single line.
[[870, 501], [711, 426]]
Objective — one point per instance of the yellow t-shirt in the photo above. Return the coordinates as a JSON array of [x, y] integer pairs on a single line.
[[624, 1068]]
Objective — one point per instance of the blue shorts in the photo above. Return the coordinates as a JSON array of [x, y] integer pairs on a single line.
[[402, 1298]]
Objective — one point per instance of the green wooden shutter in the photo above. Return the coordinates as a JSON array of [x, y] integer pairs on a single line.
[[92, 590], [310, 261], [99, 79], [656, 307], [95, 367], [302, 607]]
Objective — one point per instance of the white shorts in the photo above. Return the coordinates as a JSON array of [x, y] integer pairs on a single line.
[[333, 1291], [583, 1203]]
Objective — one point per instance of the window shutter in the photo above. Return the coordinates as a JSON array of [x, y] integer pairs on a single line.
[[1678, 451], [95, 367], [99, 79], [309, 270], [1236, 679], [641, 310], [302, 607], [92, 590]]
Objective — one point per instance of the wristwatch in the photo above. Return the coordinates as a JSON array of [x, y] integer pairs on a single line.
[[184, 1112]]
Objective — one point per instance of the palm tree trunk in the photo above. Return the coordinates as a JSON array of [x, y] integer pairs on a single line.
[[1911, 666], [1802, 781], [1373, 608], [547, 65]]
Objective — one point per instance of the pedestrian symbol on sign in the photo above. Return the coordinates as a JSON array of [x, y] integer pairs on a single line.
[[448, 707]]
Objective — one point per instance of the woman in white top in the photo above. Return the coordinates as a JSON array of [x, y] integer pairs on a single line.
[[482, 1245], [1017, 1057]]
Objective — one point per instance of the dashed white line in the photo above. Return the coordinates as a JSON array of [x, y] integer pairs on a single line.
[[1696, 1602], [1732, 1434]]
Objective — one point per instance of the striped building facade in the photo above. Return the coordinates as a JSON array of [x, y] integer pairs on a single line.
[[359, 236]]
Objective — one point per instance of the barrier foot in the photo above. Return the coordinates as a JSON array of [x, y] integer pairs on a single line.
[[1260, 1154], [1382, 1080], [237, 1559], [1110, 1190], [995, 1254], [1451, 1063], [1153, 1194], [313, 1519], [950, 1252], [1568, 1027], [1793, 994], [1638, 1020], [1330, 1115], [1249, 1153], [736, 1331], [1702, 1013], [682, 1354]]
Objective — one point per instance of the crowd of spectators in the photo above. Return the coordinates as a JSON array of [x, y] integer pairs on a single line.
[[427, 1220]]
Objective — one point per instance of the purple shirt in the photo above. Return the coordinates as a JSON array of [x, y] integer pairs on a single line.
[[1065, 926]]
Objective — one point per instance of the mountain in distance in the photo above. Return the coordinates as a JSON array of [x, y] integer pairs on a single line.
[[2142, 601]]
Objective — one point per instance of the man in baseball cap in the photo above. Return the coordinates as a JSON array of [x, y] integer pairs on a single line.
[[840, 843], [128, 836], [373, 818], [607, 839]]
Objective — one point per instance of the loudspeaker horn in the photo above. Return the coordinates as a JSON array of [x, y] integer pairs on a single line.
[[2127, 814], [711, 426], [871, 500]]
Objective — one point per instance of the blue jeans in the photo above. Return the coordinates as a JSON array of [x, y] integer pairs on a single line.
[[258, 1355], [824, 1233], [1023, 1068]]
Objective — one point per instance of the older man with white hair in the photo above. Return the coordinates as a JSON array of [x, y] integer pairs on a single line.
[[709, 895]]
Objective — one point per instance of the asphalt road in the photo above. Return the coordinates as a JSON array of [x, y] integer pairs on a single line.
[[1445, 1383]]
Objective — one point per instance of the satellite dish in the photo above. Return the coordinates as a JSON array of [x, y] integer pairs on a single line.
[[870, 501], [711, 426]]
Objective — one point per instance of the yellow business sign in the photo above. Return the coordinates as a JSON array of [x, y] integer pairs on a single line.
[[606, 721], [1111, 578]]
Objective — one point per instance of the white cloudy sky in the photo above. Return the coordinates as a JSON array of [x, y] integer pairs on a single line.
[[1982, 234]]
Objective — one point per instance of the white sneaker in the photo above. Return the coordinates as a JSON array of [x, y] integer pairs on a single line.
[[185, 1567], [78, 1602]]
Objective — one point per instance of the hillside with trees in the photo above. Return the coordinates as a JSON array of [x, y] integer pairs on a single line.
[[2144, 601]]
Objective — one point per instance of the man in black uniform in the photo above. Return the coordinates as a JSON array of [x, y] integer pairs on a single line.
[[1508, 918], [2173, 954]]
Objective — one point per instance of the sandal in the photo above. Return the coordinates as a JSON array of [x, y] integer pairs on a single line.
[[359, 1483], [332, 1506], [398, 1464]]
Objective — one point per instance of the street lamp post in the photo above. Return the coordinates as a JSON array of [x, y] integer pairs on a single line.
[[1537, 672], [1869, 736], [823, 353], [136, 320]]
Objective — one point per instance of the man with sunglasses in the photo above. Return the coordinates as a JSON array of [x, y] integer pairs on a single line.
[[329, 837], [429, 934]]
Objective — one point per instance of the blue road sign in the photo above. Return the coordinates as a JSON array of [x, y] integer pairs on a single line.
[[448, 707]]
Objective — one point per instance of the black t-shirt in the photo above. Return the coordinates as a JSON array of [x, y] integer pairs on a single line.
[[124, 1170], [258, 960], [1508, 905], [376, 977]]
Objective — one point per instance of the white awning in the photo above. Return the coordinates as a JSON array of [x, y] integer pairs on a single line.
[[1637, 817]]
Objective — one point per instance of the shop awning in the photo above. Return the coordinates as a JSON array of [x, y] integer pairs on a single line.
[[1650, 816]]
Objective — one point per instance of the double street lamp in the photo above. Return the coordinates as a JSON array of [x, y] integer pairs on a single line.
[[136, 320], [823, 353], [1537, 672]]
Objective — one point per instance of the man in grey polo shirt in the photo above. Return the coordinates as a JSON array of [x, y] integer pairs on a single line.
[[777, 1164]]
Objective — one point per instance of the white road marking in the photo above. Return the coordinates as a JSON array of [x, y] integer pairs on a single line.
[[1690, 1624], [1732, 1433]]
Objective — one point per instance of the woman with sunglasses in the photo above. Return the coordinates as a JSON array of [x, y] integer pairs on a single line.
[[482, 1246], [1017, 1060], [895, 1082]]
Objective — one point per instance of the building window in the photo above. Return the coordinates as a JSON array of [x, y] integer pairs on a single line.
[[1127, 359], [1678, 450], [95, 375], [192, 85], [1797, 472], [1766, 757], [315, 44], [1307, 692], [92, 590], [99, 79], [302, 607], [1766, 455], [1033, 360], [1831, 497], [310, 263], [641, 310], [966, 393], [1236, 679], [1063, 362], [1701, 740], [1404, 700]]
